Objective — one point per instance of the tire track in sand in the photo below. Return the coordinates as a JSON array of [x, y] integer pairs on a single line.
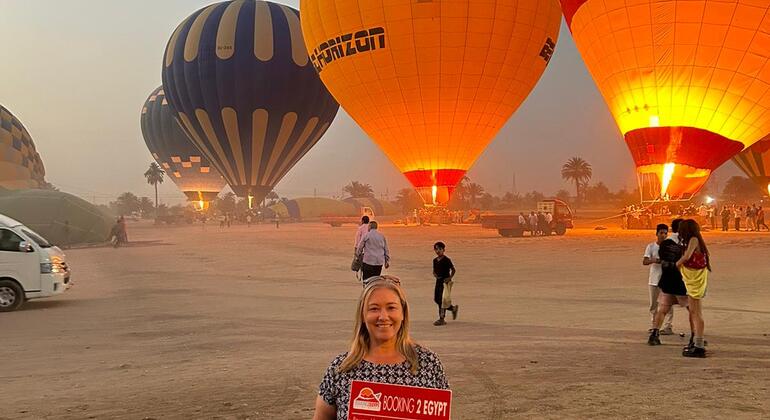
[[491, 388]]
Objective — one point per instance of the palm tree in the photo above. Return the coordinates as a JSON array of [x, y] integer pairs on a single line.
[[154, 177], [474, 191], [359, 190], [578, 171], [408, 199]]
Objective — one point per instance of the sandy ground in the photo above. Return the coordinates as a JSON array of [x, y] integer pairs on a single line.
[[242, 322]]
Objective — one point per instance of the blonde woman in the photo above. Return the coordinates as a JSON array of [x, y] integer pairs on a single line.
[[381, 351]]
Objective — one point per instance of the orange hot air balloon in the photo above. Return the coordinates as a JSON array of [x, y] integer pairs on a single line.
[[431, 82], [687, 81], [755, 162]]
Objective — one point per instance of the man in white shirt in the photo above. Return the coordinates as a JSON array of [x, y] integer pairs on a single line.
[[361, 231], [652, 259]]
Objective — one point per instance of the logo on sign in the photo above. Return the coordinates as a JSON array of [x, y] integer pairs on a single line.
[[367, 400]]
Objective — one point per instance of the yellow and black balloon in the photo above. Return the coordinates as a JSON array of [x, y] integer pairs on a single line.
[[431, 82], [175, 152], [245, 91], [755, 162], [688, 82], [20, 163]]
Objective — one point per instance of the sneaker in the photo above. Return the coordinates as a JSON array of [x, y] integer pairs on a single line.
[[694, 352], [454, 311], [667, 331], [439, 321], [654, 340]]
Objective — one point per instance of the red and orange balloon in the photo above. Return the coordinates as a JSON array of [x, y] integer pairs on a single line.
[[688, 82], [431, 82]]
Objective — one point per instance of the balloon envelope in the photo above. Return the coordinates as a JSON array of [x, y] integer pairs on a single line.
[[431, 82], [175, 152], [245, 91], [62, 218], [20, 163], [755, 162], [688, 82]]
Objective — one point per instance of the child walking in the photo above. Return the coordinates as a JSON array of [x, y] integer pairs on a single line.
[[444, 271]]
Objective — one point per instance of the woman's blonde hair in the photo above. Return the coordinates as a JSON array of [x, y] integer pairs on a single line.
[[360, 344]]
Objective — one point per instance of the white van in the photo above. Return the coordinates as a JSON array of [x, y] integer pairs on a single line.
[[30, 267]]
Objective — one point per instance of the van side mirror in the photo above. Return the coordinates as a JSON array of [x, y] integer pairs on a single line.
[[25, 246]]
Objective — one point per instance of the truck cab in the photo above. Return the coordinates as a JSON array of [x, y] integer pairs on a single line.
[[561, 212], [30, 267]]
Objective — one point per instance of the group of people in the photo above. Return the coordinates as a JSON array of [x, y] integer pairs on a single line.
[[382, 349], [438, 215], [538, 224], [679, 268], [371, 255], [753, 215]]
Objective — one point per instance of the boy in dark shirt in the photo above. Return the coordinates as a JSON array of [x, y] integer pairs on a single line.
[[443, 271]]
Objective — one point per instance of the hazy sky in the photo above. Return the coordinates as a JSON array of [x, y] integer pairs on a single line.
[[76, 73]]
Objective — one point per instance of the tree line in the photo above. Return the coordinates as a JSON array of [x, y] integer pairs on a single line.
[[467, 195]]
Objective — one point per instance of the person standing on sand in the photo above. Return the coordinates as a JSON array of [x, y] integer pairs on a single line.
[[381, 350], [761, 219], [672, 289], [123, 239], [652, 259], [444, 272], [725, 218], [374, 249], [361, 231], [532, 224], [694, 266]]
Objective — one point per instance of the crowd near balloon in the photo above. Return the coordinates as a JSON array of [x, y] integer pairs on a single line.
[[250, 86]]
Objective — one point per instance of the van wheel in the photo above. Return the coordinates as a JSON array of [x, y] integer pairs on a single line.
[[560, 229], [11, 296]]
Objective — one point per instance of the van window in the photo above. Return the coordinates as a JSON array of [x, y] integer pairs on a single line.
[[37, 238], [9, 241]]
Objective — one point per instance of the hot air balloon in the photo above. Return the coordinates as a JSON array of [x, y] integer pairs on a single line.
[[175, 152], [686, 81], [245, 91], [20, 163], [755, 162], [431, 82]]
